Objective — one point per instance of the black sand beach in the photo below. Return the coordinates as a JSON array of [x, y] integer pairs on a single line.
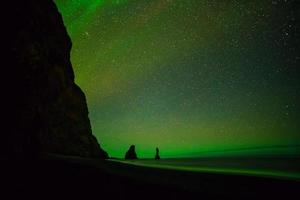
[[71, 177]]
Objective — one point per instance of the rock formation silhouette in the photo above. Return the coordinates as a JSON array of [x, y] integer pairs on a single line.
[[43, 110], [131, 154], [157, 157]]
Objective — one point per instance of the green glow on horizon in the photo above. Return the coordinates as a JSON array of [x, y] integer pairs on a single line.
[[188, 77]]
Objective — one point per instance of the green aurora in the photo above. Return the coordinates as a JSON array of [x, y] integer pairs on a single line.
[[188, 76]]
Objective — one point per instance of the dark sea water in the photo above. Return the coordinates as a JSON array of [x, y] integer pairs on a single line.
[[275, 166]]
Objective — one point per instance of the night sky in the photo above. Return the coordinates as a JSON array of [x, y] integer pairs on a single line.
[[187, 76]]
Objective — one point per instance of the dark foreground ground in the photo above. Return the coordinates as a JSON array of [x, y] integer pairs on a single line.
[[59, 177]]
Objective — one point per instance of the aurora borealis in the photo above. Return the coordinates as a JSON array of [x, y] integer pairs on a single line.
[[187, 76]]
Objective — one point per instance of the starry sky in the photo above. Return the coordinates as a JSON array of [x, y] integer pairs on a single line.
[[188, 76]]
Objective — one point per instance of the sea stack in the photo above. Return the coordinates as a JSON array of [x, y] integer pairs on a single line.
[[131, 154], [157, 157]]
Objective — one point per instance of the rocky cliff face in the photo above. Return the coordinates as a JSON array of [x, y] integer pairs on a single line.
[[43, 109]]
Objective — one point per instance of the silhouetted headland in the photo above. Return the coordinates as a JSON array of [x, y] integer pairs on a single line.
[[43, 110]]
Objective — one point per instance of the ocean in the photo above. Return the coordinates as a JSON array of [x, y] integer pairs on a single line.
[[286, 167]]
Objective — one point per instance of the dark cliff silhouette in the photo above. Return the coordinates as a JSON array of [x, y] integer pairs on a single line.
[[43, 110], [131, 154], [157, 157]]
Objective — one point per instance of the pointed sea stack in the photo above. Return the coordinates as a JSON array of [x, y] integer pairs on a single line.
[[131, 154]]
